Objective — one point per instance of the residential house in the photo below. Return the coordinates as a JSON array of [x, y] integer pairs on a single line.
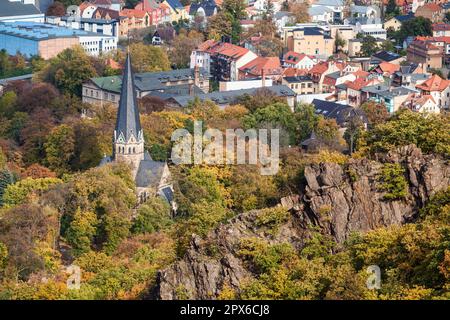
[[137, 19], [425, 53], [438, 88], [369, 27], [431, 11], [337, 6], [177, 10], [341, 113], [392, 97], [443, 43], [261, 67], [321, 14], [409, 75], [226, 60], [283, 18], [395, 23], [386, 69], [320, 70], [354, 46], [299, 84], [386, 56], [333, 79], [364, 12], [298, 60], [441, 30], [311, 41], [354, 94], [200, 56], [422, 104]]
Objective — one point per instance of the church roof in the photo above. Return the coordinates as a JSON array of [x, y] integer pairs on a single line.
[[150, 172], [128, 122]]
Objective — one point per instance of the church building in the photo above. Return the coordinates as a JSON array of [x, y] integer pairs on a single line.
[[152, 177]]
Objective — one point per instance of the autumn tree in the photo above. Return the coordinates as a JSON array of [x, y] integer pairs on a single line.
[[147, 58], [68, 70], [300, 11], [60, 148], [154, 215], [56, 9], [182, 46], [376, 112]]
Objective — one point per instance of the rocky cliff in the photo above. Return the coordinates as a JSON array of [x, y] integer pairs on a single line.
[[338, 199]]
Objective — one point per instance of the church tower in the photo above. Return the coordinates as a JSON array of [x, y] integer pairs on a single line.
[[128, 141]]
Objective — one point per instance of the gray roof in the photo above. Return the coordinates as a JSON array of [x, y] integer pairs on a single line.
[[395, 92], [295, 79], [149, 172], [23, 77], [17, 8], [227, 97], [281, 14], [319, 10], [128, 123], [340, 112], [375, 88]]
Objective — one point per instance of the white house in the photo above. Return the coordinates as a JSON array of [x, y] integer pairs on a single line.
[[298, 60], [337, 6], [321, 14]]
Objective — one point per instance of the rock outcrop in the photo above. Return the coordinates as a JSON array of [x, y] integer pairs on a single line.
[[338, 199]]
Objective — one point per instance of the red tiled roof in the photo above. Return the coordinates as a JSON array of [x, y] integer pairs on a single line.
[[430, 6], [293, 72], [103, 12], [435, 83], [361, 74], [358, 84], [133, 13], [319, 68], [270, 65], [293, 57], [387, 68], [229, 50], [206, 45]]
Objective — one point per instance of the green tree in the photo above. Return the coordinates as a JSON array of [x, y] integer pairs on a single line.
[[431, 133], [6, 179], [154, 215], [68, 70], [81, 231], [418, 26], [59, 148], [306, 119], [7, 103], [393, 182], [369, 46], [22, 190]]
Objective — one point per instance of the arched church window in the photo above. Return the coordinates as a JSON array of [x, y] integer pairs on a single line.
[[134, 150], [129, 150]]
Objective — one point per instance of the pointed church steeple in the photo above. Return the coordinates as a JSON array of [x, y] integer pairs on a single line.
[[128, 135], [128, 124]]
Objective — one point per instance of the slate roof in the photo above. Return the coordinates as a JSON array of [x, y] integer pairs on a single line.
[[149, 172], [207, 5], [17, 8], [148, 81], [386, 56], [128, 123], [297, 79], [340, 112], [404, 18], [175, 4], [226, 97]]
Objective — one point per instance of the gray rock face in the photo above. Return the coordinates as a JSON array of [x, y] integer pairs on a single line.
[[338, 199]]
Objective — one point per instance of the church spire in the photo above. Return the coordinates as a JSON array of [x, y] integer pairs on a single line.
[[128, 124]]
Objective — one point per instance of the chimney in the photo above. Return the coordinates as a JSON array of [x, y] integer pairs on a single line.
[[191, 89], [197, 75], [263, 78]]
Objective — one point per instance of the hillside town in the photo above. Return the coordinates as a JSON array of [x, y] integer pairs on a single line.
[[94, 95]]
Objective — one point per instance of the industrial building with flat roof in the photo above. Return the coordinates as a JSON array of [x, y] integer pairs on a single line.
[[46, 40]]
